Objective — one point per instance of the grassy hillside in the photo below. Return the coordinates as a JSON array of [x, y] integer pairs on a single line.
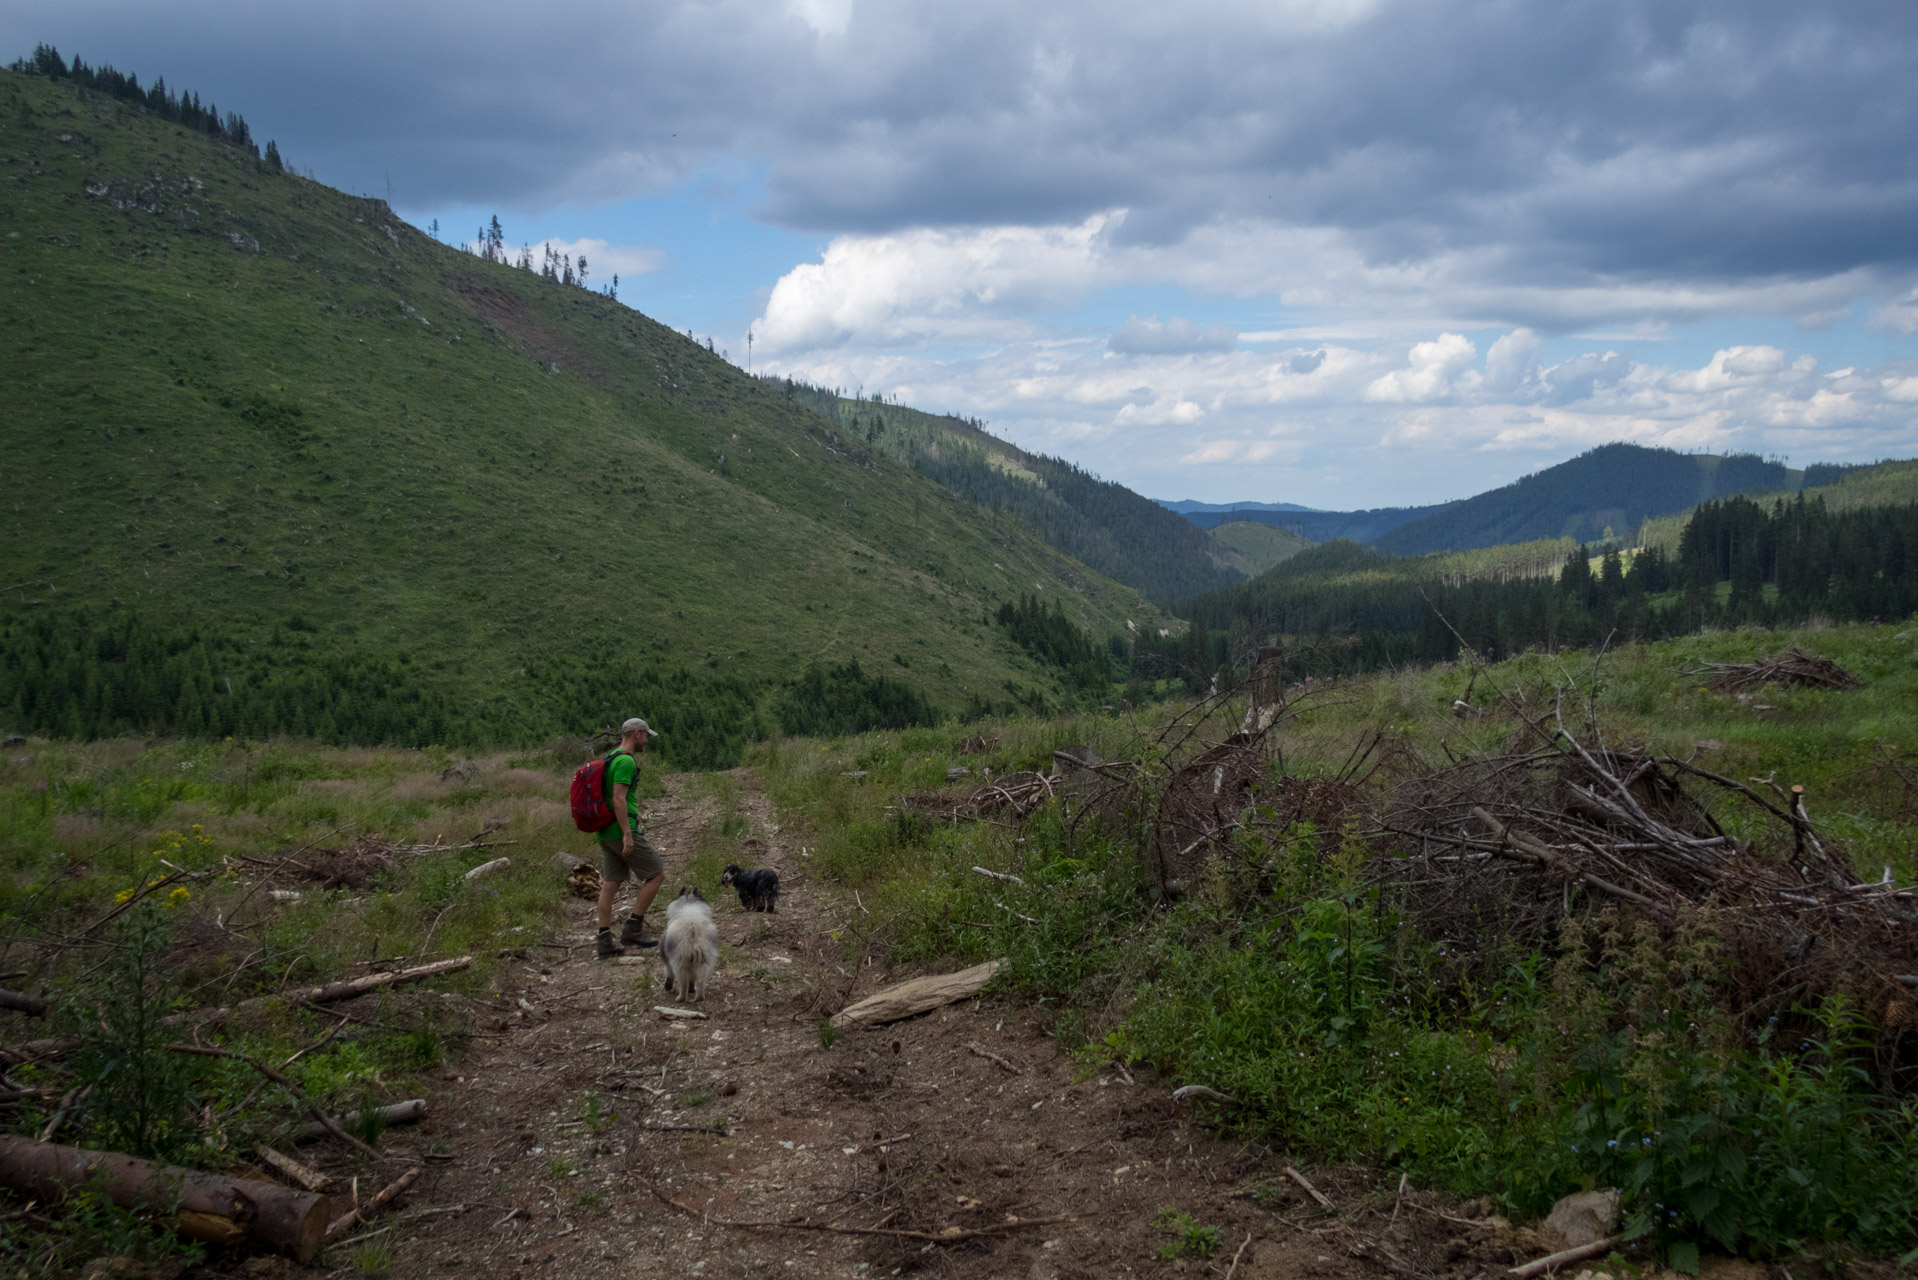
[[1615, 487], [1130, 538], [1260, 545], [245, 406]]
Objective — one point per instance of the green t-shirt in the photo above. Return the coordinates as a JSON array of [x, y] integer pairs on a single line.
[[623, 769]]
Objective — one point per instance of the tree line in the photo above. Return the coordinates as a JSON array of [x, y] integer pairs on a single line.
[[82, 675], [560, 268], [1739, 562], [181, 108]]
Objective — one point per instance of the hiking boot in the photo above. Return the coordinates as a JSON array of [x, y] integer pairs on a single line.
[[608, 949], [635, 935]]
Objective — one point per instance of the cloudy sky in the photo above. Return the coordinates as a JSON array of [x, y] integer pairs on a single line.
[[1339, 253]]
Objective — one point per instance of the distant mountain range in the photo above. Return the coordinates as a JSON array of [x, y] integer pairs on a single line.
[[1606, 493]]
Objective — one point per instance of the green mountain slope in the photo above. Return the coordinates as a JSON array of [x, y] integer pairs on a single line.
[[1130, 538], [1615, 486], [250, 409], [1261, 545]]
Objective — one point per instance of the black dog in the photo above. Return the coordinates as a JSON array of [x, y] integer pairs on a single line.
[[758, 890]]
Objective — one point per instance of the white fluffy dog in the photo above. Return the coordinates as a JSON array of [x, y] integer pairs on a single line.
[[690, 946]]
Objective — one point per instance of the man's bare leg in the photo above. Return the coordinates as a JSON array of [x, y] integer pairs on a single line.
[[647, 892]]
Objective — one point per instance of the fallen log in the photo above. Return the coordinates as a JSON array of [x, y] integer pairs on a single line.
[[210, 1207], [1565, 1257], [21, 1002], [484, 868], [19, 1055], [917, 996], [412, 1111], [326, 993], [331, 992]]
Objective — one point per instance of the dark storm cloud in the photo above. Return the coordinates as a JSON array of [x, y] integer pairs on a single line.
[[1711, 140]]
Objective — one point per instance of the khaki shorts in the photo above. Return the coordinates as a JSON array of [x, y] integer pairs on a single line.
[[615, 866]]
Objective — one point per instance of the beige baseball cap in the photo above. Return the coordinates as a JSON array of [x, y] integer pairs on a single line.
[[635, 725]]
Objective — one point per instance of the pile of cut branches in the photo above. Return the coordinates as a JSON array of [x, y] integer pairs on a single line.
[[1792, 667], [1497, 843], [1013, 795]]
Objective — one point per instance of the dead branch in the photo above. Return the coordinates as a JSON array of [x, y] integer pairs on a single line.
[[1324, 1201], [294, 1171], [1564, 1257], [325, 1121], [387, 1195], [979, 1050]]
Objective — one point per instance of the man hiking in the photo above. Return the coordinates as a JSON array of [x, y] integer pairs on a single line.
[[623, 847]]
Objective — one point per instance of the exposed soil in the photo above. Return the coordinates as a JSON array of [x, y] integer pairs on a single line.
[[899, 1128]]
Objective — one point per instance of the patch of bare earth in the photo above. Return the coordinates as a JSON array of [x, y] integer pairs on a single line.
[[745, 1116]]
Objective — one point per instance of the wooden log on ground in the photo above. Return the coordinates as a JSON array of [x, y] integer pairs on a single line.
[[485, 868], [917, 996], [21, 1002], [211, 1207], [331, 992], [1565, 1257], [17, 1055], [412, 1111], [334, 992], [326, 993]]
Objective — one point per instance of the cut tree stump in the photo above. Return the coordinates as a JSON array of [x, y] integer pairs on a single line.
[[917, 996], [213, 1208]]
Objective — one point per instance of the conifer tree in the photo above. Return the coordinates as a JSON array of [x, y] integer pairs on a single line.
[[275, 165]]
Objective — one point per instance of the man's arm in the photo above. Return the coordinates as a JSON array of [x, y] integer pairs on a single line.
[[620, 790]]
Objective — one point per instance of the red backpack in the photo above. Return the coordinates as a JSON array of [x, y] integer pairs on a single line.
[[592, 803]]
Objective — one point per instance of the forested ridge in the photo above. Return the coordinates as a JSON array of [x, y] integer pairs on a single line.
[[1613, 487], [1738, 562], [1106, 526]]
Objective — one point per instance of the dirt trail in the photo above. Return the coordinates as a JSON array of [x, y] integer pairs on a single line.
[[894, 1128]]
